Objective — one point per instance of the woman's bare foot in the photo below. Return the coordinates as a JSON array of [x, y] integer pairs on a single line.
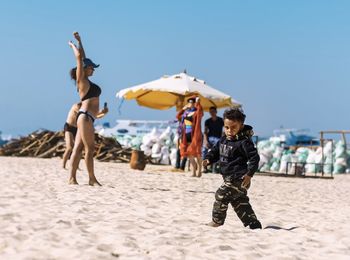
[[94, 183], [213, 224], [73, 181], [199, 174]]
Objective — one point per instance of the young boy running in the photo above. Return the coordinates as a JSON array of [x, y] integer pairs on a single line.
[[239, 161]]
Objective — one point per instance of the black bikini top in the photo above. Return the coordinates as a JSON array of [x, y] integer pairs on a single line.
[[94, 91]]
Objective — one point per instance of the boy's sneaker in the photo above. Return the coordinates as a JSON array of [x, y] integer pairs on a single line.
[[255, 225]]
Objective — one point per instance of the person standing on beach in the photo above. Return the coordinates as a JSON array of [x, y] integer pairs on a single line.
[[212, 132], [191, 134], [180, 162], [239, 160], [89, 94], [70, 131]]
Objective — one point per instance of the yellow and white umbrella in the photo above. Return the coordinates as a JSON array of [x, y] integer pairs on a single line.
[[170, 91]]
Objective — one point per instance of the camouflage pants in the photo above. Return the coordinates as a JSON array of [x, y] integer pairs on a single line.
[[232, 192]]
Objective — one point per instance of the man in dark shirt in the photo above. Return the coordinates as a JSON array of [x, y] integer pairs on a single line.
[[212, 132]]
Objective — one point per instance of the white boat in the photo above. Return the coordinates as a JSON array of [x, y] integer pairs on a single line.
[[135, 127]]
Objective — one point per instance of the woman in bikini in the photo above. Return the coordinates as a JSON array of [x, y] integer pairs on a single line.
[[89, 94], [70, 131]]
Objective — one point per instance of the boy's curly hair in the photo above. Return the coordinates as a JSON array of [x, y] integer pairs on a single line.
[[234, 114]]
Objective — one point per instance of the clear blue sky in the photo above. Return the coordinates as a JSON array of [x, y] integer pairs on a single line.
[[287, 61]]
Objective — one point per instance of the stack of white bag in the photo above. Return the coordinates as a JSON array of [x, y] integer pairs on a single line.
[[158, 145], [273, 158], [173, 150], [270, 154], [340, 158], [130, 141]]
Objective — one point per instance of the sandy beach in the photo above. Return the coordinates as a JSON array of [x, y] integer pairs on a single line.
[[157, 214]]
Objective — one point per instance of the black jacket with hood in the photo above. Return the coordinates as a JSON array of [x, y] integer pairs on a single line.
[[238, 156]]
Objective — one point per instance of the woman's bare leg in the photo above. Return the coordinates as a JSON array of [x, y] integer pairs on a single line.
[[88, 136], [81, 155], [75, 158], [199, 164], [68, 136], [194, 166]]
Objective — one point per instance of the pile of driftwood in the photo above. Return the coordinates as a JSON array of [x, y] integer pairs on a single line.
[[47, 144]]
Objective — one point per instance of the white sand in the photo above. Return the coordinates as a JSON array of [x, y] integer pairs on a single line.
[[156, 214]]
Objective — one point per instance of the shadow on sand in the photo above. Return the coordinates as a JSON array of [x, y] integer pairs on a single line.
[[159, 189], [197, 191], [280, 228]]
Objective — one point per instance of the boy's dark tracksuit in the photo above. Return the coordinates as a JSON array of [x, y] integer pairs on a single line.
[[237, 157]]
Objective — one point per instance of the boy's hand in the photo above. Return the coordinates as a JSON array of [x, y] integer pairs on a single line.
[[246, 181], [205, 162]]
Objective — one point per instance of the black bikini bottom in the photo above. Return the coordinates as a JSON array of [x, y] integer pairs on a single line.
[[88, 114], [69, 128]]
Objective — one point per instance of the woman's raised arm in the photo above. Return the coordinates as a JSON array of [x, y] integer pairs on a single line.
[[79, 59], [80, 47]]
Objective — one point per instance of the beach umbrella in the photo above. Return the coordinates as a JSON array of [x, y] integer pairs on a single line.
[[173, 91]]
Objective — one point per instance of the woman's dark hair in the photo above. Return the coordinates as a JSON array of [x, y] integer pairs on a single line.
[[234, 114], [73, 74]]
